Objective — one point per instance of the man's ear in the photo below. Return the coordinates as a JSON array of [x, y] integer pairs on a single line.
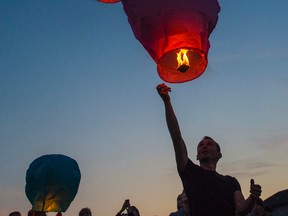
[[197, 157], [220, 156]]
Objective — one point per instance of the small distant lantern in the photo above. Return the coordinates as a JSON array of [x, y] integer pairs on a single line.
[[109, 1], [175, 33], [52, 183]]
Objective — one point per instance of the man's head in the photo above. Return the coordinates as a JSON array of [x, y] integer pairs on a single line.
[[85, 212], [36, 213], [133, 211], [185, 202], [15, 213], [208, 149], [179, 201]]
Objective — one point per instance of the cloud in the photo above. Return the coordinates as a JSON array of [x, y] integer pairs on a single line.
[[273, 142], [247, 167], [247, 173]]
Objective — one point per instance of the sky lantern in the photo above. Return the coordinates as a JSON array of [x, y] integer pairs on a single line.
[[109, 1], [52, 183], [175, 33]]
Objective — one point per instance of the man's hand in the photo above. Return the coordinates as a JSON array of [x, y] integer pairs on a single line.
[[163, 91], [255, 190], [125, 206]]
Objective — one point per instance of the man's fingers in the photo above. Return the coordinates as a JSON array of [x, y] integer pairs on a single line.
[[255, 189], [160, 85], [163, 89]]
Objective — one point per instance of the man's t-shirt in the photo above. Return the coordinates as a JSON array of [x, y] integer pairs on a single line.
[[209, 193]]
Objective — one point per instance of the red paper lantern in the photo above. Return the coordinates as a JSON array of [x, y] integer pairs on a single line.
[[109, 1], [175, 33]]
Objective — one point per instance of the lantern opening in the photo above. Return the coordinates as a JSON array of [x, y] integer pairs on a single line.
[[183, 61], [170, 70]]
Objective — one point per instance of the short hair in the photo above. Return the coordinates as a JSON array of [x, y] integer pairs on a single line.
[[83, 210], [16, 213], [217, 145], [178, 204], [36, 213], [133, 207]]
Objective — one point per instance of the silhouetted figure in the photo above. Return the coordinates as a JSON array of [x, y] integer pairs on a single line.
[[179, 201], [15, 213], [130, 210], [36, 213], [209, 193], [182, 206], [268, 211], [260, 210], [85, 212]]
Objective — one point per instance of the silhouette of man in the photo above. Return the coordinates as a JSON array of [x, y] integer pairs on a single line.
[[209, 193]]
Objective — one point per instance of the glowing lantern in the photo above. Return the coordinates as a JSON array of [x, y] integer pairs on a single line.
[[109, 1], [52, 183], [164, 27]]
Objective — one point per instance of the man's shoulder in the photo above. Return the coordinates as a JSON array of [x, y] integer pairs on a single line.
[[189, 165], [227, 177], [230, 180], [180, 212]]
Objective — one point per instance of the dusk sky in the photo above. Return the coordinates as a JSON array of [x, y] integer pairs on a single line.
[[75, 81]]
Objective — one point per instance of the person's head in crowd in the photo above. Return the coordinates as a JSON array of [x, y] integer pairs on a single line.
[[85, 212], [179, 201], [133, 211], [15, 213], [36, 213]]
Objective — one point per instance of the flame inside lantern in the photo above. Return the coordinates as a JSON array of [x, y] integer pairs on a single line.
[[182, 65], [183, 61]]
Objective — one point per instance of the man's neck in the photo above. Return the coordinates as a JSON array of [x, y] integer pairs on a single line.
[[208, 165]]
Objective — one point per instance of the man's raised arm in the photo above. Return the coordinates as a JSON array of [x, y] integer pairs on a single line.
[[173, 127]]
